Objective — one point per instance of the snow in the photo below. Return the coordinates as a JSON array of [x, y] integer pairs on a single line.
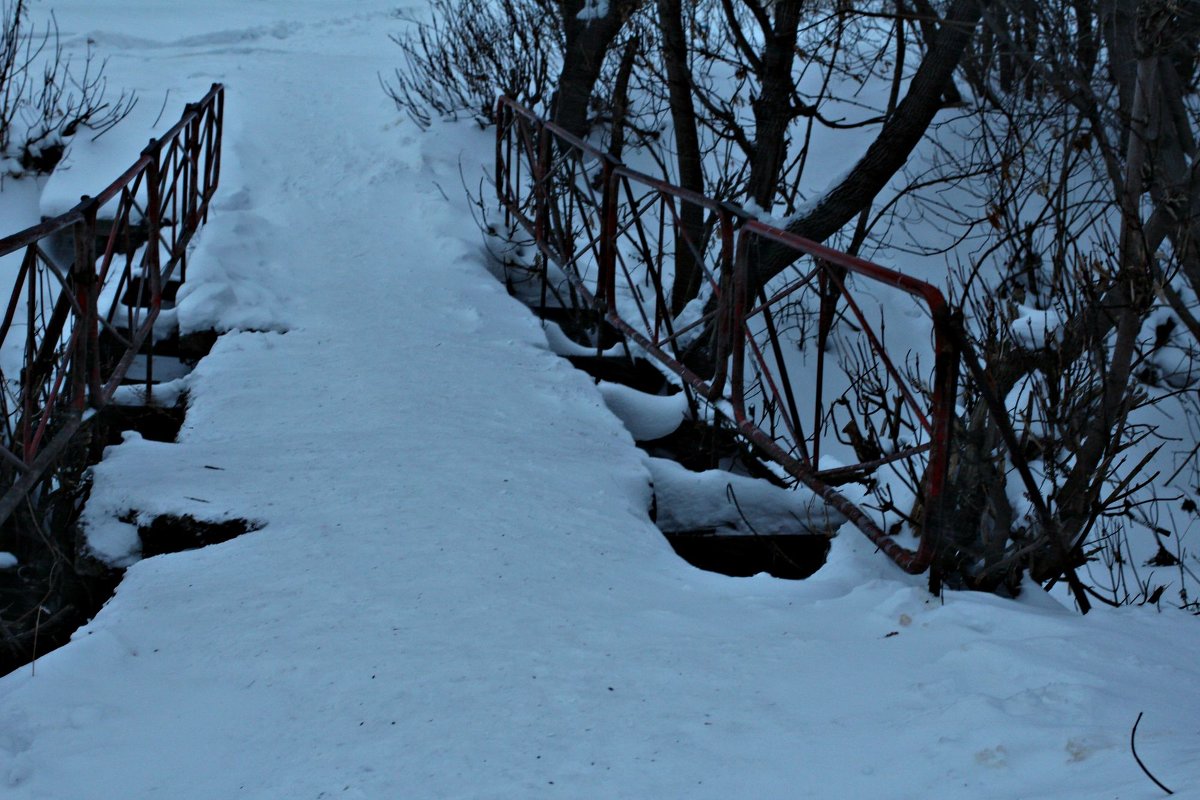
[[18, 208], [457, 591], [1034, 328], [593, 9], [736, 504], [563, 345], [645, 416], [691, 314]]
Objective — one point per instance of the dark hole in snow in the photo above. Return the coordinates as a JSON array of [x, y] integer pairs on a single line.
[[156, 423], [170, 358], [794, 556], [637, 374], [738, 525], [41, 606], [138, 293], [698, 446], [190, 347], [169, 533]]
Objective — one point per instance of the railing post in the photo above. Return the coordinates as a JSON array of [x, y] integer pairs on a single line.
[[723, 343], [214, 124], [191, 184], [540, 173], [606, 281], [938, 510], [219, 124], [84, 360], [503, 120], [541, 188], [27, 371], [737, 322], [151, 260]]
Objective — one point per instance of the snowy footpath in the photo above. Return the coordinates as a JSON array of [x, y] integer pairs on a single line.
[[456, 591]]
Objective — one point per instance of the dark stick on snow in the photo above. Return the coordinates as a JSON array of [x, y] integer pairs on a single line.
[[1133, 747]]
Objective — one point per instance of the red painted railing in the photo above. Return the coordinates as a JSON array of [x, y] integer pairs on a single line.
[[89, 290], [611, 239]]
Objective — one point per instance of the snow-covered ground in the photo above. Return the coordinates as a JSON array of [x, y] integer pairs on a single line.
[[457, 591]]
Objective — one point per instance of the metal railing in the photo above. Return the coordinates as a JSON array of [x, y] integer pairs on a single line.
[[88, 292], [612, 241]]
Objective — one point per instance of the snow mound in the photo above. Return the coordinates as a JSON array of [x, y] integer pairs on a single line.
[[563, 345], [1034, 328], [645, 416]]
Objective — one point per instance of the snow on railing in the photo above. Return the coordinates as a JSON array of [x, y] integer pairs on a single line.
[[612, 240], [89, 289]]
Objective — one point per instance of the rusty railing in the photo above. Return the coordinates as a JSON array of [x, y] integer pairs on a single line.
[[612, 240], [89, 289]]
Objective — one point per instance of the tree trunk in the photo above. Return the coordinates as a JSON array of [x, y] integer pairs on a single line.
[[587, 43], [773, 110], [689, 228]]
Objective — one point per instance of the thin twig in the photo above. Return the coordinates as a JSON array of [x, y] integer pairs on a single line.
[[37, 626], [1133, 747], [731, 496]]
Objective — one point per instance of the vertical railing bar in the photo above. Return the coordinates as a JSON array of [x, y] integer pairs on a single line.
[[27, 382], [641, 245], [824, 326], [785, 381], [151, 266], [879, 350]]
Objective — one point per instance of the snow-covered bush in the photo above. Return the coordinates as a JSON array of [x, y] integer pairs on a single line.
[[43, 103]]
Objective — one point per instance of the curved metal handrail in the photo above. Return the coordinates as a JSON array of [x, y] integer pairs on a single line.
[[527, 151], [161, 200]]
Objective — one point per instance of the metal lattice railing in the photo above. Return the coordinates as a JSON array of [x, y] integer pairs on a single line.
[[612, 240], [99, 268]]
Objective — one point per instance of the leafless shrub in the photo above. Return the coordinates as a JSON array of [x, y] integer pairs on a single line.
[[43, 102], [471, 51]]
